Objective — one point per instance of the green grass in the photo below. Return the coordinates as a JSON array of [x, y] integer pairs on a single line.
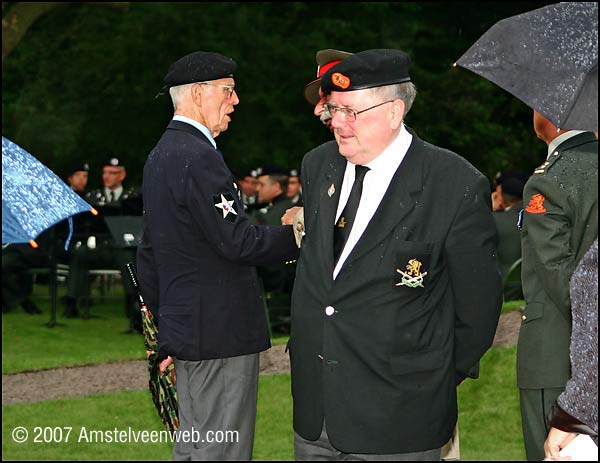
[[29, 344], [124, 410], [489, 419], [511, 306]]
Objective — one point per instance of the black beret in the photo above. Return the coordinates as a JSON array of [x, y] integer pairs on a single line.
[[113, 162], [242, 174], [513, 186], [505, 175], [85, 167], [200, 66], [271, 170], [367, 69], [294, 173]]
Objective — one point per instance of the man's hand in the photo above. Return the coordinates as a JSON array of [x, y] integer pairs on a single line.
[[295, 216], [288, 217], [164, 364], [555, 442]]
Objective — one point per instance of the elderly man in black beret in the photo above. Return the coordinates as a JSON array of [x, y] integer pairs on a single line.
[[196, 262], [397, 294]]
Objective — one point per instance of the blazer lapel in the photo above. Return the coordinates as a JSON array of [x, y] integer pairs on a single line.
[[329, 188], [396, 204]]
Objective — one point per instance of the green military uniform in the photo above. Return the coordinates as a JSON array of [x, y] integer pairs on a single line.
[[277, 279], [509, 247], [560, 222]]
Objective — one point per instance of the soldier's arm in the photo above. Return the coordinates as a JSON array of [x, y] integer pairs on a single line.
[[548, 224]]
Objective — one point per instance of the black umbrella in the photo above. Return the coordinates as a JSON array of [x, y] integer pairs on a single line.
[[162, 386], [548, 58]]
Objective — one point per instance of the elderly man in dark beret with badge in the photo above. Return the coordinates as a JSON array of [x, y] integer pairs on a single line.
[[397, 294], [197, 259]]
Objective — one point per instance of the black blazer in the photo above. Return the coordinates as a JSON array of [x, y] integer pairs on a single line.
[[379, 362], [195, 262]]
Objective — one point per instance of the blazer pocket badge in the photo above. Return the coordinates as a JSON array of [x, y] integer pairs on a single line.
[[413, 278]]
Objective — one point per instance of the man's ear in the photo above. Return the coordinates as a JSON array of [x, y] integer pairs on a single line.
[[397, 113]]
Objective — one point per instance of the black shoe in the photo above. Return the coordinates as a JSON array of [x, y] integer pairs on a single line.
[[30, 307], [71, 310]]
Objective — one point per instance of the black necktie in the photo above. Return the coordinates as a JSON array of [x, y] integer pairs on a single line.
[[112, 197], [342, 228]]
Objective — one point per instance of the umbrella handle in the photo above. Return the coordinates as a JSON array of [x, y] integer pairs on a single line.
[[134, 281]]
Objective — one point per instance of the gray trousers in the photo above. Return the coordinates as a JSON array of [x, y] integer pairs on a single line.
[[217, 408], [321, 450]]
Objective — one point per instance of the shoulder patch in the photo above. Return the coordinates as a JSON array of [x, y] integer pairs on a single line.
[[536, 204], [225, 206]]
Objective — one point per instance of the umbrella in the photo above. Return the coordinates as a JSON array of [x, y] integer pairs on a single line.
[[33, 197], [162, 387], [548, 58]]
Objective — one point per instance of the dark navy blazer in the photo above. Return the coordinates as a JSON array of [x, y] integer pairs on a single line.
[[198, 251]]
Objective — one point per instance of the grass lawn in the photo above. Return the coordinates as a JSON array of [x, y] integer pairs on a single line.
[[489, 421]]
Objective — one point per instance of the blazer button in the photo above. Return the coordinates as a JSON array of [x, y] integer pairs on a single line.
[[523, 317], [329, 311]]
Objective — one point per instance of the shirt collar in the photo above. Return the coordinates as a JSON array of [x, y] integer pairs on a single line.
[[392, 156], [562, 138], [202, 128]]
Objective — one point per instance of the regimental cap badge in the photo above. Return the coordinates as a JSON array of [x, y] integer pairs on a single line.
[[340, 80], [114, 162], [413, 277]]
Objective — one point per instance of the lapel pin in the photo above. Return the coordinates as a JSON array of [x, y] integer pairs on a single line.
[[331, 190]]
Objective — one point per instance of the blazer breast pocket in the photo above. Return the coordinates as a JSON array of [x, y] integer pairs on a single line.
[[413, 260]]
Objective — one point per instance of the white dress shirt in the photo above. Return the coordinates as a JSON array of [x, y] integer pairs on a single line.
[[375, 184], [117, 193]]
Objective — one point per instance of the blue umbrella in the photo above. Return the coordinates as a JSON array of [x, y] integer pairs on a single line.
[[33, 197]]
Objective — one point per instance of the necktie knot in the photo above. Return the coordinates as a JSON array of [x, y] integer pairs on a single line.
[[360, 172]]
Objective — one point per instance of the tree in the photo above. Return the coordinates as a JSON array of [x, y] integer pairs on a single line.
[[18, 17]]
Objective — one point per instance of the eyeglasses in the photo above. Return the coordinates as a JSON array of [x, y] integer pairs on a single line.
[[349, 114], [228, 88]]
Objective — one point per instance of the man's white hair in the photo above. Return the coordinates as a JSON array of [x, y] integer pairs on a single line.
[[406, 92], [179, 94]]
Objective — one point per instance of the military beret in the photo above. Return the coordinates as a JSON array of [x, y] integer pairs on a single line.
[[503, 176], [272, 170], [200, 66], [294, 173], [367, 69], [113, 162], [326, 59], [85, 167], [513, 186]]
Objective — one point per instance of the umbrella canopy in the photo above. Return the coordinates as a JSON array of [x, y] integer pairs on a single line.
[[548, 58], [162, 387], [33, 197]]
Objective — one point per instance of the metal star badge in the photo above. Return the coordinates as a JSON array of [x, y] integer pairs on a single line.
[[226, 206]]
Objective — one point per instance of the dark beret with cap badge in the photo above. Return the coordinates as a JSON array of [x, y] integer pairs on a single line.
[[367, 69]]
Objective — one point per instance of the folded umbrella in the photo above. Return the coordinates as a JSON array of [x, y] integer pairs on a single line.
[[162, 386]]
